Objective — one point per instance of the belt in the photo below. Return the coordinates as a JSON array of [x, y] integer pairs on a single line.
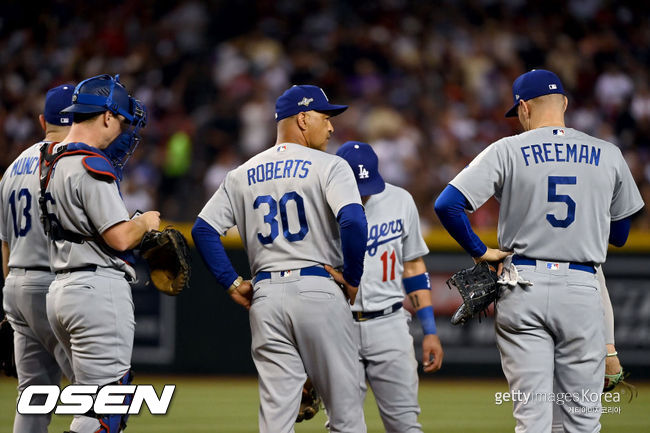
[[89, 268], [586, 267], [314, 271], [362, 316], [35, 268]]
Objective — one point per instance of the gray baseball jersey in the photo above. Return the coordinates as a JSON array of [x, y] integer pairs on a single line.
[[87, 206], [285, 201], [20, 224], [394, 237], [386, 354], [557, 187]]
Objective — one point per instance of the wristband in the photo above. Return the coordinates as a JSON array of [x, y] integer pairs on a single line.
[[234, 285], [612, 354], [418, 282], [427, 320]]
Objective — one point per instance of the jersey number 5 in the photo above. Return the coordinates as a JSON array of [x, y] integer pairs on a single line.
[[553, 196], [21, 231], [270, 217]]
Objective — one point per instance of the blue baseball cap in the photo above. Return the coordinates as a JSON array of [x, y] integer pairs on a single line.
[[532, 84], [365, 166], [297, 99], [56, 99]]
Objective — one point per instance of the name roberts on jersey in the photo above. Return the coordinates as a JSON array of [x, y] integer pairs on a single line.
[[561, 152], [278, 170]]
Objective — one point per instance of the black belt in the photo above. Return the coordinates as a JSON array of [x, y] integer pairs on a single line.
[[362, 316], [586, 266], [35, 268], [89, 268]]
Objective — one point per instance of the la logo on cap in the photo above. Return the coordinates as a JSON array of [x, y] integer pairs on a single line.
[[363, 173]]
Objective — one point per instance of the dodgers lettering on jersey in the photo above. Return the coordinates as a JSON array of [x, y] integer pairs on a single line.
[[284, 201], [381, 233], [20, 224], [561, 152], [559, 191], [394, 237]]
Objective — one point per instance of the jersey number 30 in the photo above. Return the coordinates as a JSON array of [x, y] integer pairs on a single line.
[[553, 196], [270, 217]]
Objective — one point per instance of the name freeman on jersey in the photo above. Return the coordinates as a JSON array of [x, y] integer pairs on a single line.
[[561, 152], [278, 170], [377, 231]]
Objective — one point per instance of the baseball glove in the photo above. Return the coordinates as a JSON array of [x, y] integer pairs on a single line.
[[168, 257], [310, 404], [613, 380], [478, 287], [7, 360]]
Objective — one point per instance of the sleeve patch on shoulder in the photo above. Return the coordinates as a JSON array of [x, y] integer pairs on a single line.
[[99, 166]]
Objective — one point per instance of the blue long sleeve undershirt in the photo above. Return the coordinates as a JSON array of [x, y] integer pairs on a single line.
[[450, 207], [208, 242], [354, 237]]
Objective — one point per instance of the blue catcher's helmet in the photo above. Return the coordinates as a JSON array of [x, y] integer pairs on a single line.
[[106, 93]]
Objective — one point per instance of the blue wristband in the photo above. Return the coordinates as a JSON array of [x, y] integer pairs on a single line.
[[418, 282], [427, 320]]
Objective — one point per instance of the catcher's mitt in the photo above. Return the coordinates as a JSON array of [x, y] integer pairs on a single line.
[[613, 380], [310, 404], [168, 257], [7, 360], [478, 287]]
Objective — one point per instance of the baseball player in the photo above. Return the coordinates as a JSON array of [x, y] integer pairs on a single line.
[[299, 214], [40, 359], [89, 304], [393, 259], [563, 196]]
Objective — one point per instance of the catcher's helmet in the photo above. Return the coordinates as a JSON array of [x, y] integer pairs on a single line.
[[105, 93]]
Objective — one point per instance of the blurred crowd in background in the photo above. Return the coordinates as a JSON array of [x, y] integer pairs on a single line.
[[428, 82]]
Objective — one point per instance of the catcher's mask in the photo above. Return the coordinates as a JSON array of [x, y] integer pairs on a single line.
[[106, 93]]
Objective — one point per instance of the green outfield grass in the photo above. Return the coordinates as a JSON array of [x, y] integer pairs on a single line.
[[225, 405]]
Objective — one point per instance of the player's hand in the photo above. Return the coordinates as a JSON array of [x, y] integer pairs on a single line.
[[243, 295], [612, 363], [349, 290], [431, 347], [492, 255], [151, 220]]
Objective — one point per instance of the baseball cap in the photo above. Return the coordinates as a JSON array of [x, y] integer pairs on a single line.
[[297, 99], [532, 84], [56, 99], [365, 166]]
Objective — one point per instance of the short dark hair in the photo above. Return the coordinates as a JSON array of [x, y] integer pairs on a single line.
[[83, 117]]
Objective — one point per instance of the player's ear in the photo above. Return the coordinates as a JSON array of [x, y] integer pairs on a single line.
[[41, 120], [566, 104], [301, 119]]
